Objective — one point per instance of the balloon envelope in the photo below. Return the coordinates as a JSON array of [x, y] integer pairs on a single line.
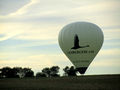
[[81, 41]]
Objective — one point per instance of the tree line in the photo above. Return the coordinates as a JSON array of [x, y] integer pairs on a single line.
[[19, 72]]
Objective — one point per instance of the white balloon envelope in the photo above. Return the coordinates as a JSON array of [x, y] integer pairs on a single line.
[[81, 41]]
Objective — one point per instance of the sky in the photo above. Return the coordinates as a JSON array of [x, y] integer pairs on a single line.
[[29, 32]]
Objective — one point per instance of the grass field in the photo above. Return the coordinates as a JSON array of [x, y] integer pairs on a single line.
[[89, 82]]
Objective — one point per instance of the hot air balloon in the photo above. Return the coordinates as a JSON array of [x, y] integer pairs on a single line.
[[81, 41]]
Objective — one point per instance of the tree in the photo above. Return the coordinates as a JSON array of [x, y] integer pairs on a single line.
[[1, 73], [16, 70], [46, 71], [40, 74], [20, 72], [51, 72], [54, 71], [28, 72], [6, 72], [66, 71], [70, 71]]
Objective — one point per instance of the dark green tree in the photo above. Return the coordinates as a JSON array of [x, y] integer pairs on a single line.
[[6, 72], [72, 71], [40, 74], [51, 72], [46, 71], [28, 72], [54, 70]]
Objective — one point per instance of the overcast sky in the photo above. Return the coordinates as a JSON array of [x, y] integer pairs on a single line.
[[29, 32]]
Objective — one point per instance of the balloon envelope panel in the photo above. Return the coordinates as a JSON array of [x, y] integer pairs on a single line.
[[81, 41]]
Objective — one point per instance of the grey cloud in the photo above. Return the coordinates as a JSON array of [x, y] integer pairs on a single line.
[[49, 19], [10, 6], [2, 35]]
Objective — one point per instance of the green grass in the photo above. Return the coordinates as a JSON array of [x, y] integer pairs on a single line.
[[90, 82]]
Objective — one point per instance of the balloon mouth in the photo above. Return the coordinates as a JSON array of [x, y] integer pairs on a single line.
[[82, 70]]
